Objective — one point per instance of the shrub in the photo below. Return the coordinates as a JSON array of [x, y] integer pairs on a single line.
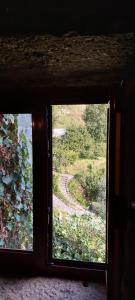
[[77, 140], [93, 184], [61, 155], [77, 192], [56, 190], [99, 149], [95, 117], [78, 238]]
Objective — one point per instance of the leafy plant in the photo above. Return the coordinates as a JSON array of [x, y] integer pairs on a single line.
[[79, 141], [79, 238], [92, 182], [95, 117], [77, 192], [15, 186], [56, 189], [61, 155]]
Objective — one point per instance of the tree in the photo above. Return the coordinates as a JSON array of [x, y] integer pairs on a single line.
[[95, 117], [79, 141], [62, 156]]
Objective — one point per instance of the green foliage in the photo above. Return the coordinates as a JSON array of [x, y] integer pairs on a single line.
[[89, 189], [93, 183], [99, 208], [78, 238], [99, 149], [62, 156], [15, 186], [76, 143], [95, 117], [77, 192], [79, 141], [55, 184], [56, 190], [81, 237]]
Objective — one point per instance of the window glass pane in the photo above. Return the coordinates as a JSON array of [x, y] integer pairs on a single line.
[[79, 138], [16, 181]]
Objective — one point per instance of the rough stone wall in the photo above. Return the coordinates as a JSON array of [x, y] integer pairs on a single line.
[[69, 60]]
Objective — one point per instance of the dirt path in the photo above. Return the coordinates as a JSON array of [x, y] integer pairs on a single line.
[[59, 204], [72, 207]]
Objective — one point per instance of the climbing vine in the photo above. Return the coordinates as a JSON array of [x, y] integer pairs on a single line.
[[15, 186]]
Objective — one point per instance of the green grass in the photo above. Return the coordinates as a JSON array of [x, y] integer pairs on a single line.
[[56, 189], [81, 165], [69, 116], [99, 208], [77, 192]]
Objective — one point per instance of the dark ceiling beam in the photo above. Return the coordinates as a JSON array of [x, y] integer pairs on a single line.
[[60, 24], [59, 16]]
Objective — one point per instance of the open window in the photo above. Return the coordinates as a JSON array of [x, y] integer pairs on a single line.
[[56, 188], [78, 160]]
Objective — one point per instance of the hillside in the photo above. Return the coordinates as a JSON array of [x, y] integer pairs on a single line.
[[65, 116]]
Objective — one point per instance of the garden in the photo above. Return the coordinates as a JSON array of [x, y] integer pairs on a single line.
[[79, 182], [79, 156]]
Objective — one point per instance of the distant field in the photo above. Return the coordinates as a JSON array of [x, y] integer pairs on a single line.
[[81, 165], [68, 115]]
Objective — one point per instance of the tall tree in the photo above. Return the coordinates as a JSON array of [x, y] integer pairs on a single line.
[[95, 117]]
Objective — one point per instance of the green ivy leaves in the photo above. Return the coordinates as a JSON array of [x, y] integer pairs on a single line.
[[7, 179], [15, 185], [1, 190]]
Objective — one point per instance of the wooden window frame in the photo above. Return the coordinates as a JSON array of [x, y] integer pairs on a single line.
[[16, 260], [36, 101]]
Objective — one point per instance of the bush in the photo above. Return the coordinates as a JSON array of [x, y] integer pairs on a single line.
[[76, 143], [55, 184], [78, 238], [77, 192], [93, 183], [61, 155], [99, 208], [99, 150], [56, 190], [78, 140], [95, 117]]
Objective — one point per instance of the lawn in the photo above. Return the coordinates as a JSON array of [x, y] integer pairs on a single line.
[[68, 115], [81, 165]]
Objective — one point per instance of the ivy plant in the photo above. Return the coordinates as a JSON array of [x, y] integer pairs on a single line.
[[15, 186]]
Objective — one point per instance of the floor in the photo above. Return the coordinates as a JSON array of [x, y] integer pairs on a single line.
[[40, 288]]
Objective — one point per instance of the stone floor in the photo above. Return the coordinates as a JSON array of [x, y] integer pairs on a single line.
[[40, 288]]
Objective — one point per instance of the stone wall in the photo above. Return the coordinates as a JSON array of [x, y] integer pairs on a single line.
[[69, 60]]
